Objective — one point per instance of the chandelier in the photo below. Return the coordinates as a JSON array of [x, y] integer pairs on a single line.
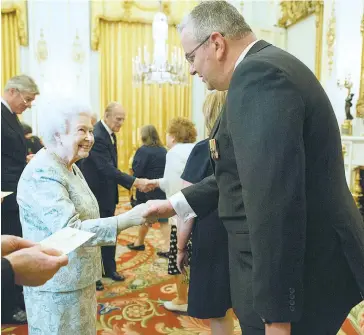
[[163, 69]]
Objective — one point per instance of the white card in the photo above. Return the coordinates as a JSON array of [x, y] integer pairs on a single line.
[[67, 239]]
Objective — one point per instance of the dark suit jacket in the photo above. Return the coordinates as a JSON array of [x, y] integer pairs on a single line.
[[101, 172], [149, 162], [7, 285], [296, 238], [13, 156]]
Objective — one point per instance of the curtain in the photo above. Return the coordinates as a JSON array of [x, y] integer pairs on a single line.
[[147, 104], [10, 62], [14, 32]]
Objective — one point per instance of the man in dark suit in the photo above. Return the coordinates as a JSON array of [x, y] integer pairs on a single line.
[[296, 238], [103, 176], [19, 93]]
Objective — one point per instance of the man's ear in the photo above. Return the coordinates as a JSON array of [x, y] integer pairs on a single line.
[[219, 43]]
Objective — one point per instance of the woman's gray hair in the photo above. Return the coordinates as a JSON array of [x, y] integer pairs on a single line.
[[219, 16], [57, 116], [22, 83]]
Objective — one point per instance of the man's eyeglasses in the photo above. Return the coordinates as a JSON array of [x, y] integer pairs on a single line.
[[27, 101], [190, 56]]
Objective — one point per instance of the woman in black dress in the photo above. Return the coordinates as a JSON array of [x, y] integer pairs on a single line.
[[149, 162], [209, 291]]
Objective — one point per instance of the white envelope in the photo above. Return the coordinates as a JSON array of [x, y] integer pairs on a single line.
[[5, 194], [67, 239]]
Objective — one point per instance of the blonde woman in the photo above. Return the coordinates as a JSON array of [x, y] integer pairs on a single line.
[[209, 291]]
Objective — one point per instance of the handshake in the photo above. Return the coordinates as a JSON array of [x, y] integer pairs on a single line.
[[146, 185], [146, 214]]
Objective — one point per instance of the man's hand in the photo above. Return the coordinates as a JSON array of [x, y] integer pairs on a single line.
[[278, 329], [145, 185], [10, 243], [182, 260], [159, 209], [36, 265], [29, 157]]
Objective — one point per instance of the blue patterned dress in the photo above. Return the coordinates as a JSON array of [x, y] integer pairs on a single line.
[[51, 197]]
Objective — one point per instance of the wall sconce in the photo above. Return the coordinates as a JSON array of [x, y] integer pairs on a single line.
[[348, 84], [42, 49], [78, 54]]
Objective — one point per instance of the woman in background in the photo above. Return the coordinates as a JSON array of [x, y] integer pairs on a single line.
[[149, 162], [181, 136], [209, 291]]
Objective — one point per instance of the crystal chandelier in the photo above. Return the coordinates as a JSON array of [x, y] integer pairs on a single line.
[[162, 70]]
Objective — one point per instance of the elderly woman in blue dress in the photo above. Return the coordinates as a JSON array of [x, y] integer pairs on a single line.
[[52, 194]]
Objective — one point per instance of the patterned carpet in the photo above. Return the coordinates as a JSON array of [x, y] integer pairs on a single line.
[[134, 307]]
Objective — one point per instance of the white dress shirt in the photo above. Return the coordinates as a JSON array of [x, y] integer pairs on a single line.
[[108, 130], [6, 105], [178, 200]]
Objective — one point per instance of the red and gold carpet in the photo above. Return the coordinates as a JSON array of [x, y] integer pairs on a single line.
[[135, 307]]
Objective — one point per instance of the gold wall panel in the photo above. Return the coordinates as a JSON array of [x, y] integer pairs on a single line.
[[296, 11]]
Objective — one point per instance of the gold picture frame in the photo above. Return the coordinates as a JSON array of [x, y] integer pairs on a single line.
[[294, 12]]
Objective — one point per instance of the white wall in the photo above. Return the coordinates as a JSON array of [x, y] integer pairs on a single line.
[[347, 56], [59, 75], [301, 41]]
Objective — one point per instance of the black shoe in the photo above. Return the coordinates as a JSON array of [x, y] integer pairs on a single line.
[[115, 276], [99, 286], [19, 317], [141, 247], [164, 254]]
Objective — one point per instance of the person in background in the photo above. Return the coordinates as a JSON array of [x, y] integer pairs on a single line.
[[181, 137], [209, 287], [149, 162], [19, 93], [103, 177], [52, 195], [34, 143]]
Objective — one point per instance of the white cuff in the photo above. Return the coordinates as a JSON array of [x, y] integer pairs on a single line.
[[181, 207], [162, 184]]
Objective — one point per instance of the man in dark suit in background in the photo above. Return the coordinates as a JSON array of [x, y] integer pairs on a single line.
[[296, 238], [19, 93], [103, 177]]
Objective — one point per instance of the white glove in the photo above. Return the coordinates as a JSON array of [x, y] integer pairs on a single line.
[[131, 218]]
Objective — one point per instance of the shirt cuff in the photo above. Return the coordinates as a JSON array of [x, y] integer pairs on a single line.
[[182, 207], [162, 184]]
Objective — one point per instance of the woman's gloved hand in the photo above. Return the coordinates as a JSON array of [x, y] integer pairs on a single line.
[[131, 218]]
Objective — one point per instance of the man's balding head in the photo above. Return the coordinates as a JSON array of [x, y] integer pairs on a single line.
[[114, 116]]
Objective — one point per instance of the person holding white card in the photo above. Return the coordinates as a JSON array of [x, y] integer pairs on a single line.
[[52, 195]]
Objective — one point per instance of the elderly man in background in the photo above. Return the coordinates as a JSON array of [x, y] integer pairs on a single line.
[[103, 177], [19, 93]]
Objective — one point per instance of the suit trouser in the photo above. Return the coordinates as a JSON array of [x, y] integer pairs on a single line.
[[10, 225], [108, 253], [319, 325]]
